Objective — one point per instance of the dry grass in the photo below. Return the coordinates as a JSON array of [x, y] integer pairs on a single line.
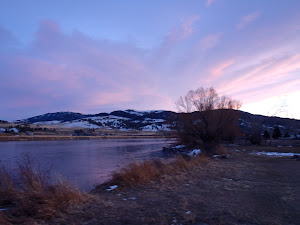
[[143, 172], [30, 194]]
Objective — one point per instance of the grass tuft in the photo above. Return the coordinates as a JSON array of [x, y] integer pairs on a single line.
[[143, 172], [31, 194]]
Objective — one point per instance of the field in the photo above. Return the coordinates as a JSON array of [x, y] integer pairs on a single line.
[[243, 189], [60, 133]]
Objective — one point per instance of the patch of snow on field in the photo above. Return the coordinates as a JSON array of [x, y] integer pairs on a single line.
[[155, 127], [147, 120], [278, 154], [79, 124], [109, 118], [179, 146], [112, 187], [14, 130], [47, 122], [194, 153], [150, 128]]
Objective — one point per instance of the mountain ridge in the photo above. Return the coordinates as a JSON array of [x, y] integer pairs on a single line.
[[152, 120]]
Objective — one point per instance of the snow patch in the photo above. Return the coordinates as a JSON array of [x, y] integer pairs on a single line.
[[132, 198], [14, 130], [112, 187], [80, 124], [152, 127], [278, 154], [194, 153], [179, 146], [47, 122]]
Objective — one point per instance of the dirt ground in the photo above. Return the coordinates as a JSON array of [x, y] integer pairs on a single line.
[[243, 189]]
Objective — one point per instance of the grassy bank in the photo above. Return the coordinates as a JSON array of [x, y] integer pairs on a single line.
[[28, 194], [243, 189]]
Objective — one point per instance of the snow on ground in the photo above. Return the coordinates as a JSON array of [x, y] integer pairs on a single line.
[[278, 154], [109, 118], [155, 127], [179, 146], [112, 187], [14, 130], [47, 122], [194, 153], [81, 124], [149, 120], [151, 127]]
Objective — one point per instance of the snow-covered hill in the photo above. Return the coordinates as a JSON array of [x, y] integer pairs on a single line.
[[127, 119], [154, 120]]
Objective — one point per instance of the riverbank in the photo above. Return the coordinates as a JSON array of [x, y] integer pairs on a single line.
[[64, 137], [242, 189]]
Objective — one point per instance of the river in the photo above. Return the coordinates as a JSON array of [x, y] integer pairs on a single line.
[[84, 163]]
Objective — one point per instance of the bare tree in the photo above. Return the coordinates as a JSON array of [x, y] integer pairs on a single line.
[[206, 117]]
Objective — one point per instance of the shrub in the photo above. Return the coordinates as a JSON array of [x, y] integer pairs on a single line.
[[31, 194], [255, 138], [276, 133], [143, 172]]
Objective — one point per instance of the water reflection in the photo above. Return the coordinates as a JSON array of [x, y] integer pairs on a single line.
[[85, 163]]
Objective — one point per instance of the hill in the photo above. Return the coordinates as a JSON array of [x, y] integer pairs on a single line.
[[153, 120]]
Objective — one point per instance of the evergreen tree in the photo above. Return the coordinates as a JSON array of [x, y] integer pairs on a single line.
[[276, 133], [266, 134]]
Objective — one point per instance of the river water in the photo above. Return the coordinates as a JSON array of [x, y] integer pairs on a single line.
[[84, 163]]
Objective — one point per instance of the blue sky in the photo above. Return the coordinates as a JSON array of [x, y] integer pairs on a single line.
[[95, 56]]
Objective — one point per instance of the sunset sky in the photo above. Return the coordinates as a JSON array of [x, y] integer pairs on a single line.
[[98, 56]]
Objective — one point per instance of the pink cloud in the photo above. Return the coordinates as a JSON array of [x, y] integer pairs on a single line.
[[210, 41], [218, 70], [187, 25], [266, 79], [183, 30], [59, 71], [209, 2], [246, 20]]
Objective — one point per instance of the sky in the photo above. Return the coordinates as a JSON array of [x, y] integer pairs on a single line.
[[97, 56]]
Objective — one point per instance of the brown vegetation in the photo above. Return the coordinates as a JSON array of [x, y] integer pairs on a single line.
[[143, 172], [243, 189], [29, 194]]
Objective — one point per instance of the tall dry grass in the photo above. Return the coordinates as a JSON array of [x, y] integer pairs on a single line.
[[143, 172], [29, 192]]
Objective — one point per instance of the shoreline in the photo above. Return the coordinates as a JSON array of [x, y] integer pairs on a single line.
[[62, 138]]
